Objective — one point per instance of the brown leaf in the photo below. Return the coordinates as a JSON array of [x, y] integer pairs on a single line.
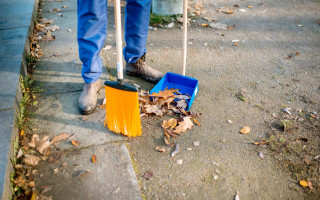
[[160, 149], [245, 130], [261, 143], [232, 27], [148, 175], [57, 139], [166, 134], [184, 125], [31, 159], [153, 109], [168, 142], [164, 94], [43, 144], [94, 159], [196, 121], [165, 124], [46, 188], [226, 10], [75, 142], [19, 181], [310, 184], [236, 6]]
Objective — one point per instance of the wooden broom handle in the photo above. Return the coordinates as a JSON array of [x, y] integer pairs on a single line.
[[185, 25], [117, 14]]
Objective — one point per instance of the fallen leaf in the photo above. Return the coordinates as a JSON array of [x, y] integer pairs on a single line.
[[56, 170], [176, 150], [166, 134], [196, 121], [232, 27], [43, 144], [250, 7], [57, 139], [94, 159], [160, 149], [19, 181], [22, 133], [46, 188], [261, 143], [196, 144], [75, 142], [189, 149], [182, 104], [184, 125], [153, 109], [225, 10], [306, 161], [310, 184], [164, 94], [210, 19], [31, 159], [20, 153], [303, 183], [261, 155], [168, 142], [148, 175], [236, 6], [205, 25], [173, 123], [25, 143], [245, 130], [64, 6]]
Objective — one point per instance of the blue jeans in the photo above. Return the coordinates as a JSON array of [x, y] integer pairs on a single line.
[[92, 31]]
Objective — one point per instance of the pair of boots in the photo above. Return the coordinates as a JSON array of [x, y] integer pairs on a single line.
[[89, 96]]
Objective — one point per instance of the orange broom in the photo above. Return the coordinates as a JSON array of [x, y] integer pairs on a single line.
[[122, 104]]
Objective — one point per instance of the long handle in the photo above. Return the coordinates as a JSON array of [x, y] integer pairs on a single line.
[[185, 25], [117, 14]]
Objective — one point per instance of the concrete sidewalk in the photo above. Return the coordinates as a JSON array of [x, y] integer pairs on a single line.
[[59, 74]]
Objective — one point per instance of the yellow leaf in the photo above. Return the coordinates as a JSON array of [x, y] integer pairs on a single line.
[[303, 183], [250, 6], [173, 122], [22, 133], [245, 130], [205, 25]]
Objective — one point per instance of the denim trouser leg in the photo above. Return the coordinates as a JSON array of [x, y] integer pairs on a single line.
[[92, 31], [136, 29]]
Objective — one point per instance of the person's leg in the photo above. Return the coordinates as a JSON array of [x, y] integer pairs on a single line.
[[137, 17], [92, 30]]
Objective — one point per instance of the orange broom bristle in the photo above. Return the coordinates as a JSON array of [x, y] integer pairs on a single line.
[[122, 112]]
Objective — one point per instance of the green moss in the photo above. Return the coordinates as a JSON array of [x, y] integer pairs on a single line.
[[162, 19]]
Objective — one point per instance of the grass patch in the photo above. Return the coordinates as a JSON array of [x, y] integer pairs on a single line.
[[162, 19]]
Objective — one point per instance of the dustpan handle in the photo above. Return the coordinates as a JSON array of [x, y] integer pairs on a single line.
[[117, 14], [185, 25]]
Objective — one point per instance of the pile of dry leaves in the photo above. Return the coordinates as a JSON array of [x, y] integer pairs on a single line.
[[31, 150], [171, 102]]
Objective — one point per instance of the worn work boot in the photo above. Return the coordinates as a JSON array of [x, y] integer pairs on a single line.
[[89, 97], [141, 69]]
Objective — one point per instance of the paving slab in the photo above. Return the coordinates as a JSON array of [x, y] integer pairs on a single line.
[[59, 113], [14, 7], [13, 42], [111, 177]]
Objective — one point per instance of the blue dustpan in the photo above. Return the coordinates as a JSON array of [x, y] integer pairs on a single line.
[[186, 85]]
